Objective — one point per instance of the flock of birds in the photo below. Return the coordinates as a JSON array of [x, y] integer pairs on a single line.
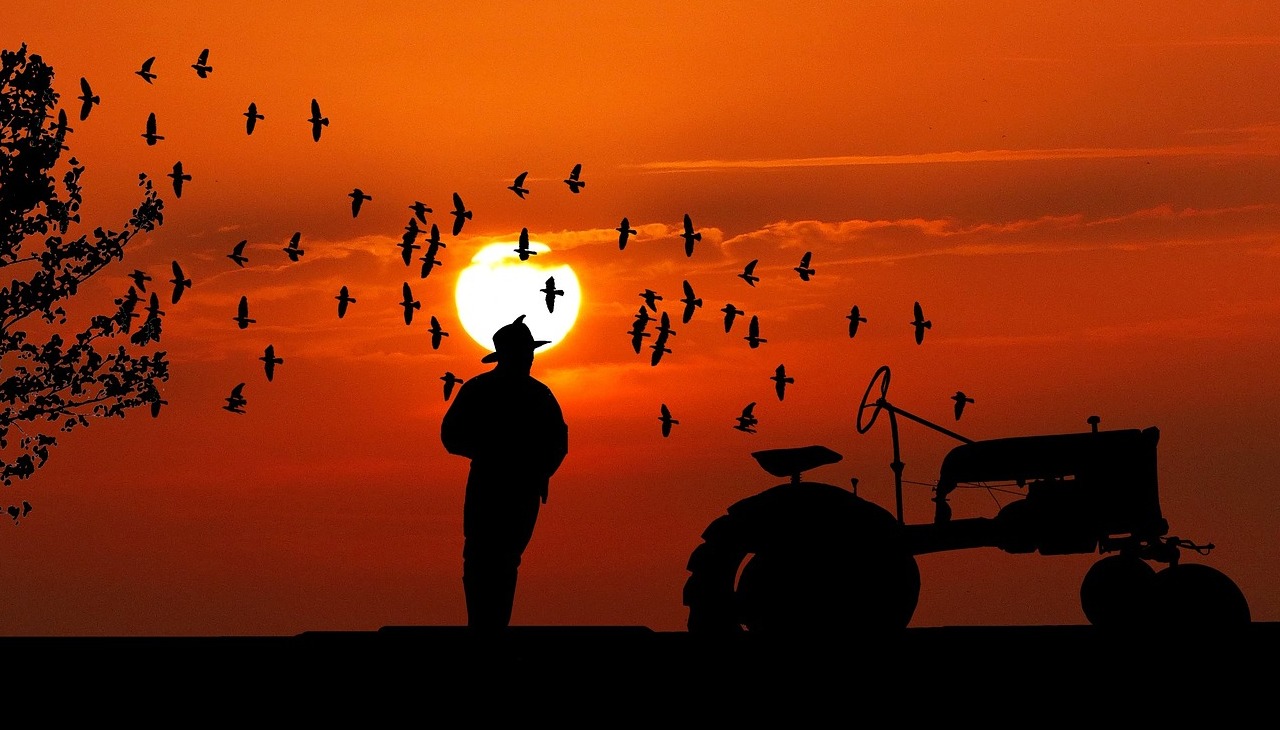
[[648, 311]]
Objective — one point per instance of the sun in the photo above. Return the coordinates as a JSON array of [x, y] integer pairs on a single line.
[[497, 287]]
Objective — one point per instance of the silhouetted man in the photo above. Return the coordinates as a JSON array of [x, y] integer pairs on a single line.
[[511, 427]]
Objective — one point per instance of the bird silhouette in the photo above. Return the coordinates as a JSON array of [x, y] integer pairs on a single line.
[[551, 293], [270, 361], [409, 303], [753, 337], [156, 403], [128, 304], [748, 272], [153, 307], [920, 323], [730, 312], [518, 187], [150, 135], [747, 421], [961, 399], [460, 214], [294, 249], [180, 282], [242, 314], [642, 317], [659, 347], [689, 236], [690, 302], [237, 254], [781, 380], [429, 261], [145, 71], [420, 211], [62, 127], [437, 333], [804, 269], [236, 401], [202, 67], [625, 231], [408, 242], [251, 118], [450, 380], [179, 177], [344, 299], [523, 247], [638, 334], [664, 328], [318, 122], [651, 299], [358, 197], [140, 279], [667, 421], [88, 98], [855, 318], [573, 181]]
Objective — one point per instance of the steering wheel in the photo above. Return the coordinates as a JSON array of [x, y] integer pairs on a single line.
[[879, 403]]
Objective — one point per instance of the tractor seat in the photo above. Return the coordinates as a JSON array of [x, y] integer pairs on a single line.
[[791, 462]]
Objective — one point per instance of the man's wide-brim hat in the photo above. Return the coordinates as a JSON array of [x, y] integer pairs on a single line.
[[511, 339]]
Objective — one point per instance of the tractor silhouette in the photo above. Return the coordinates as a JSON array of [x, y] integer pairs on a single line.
[[804, 557]]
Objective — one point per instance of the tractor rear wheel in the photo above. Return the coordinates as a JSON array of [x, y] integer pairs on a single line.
[[1197, 596], [803, 559], [1116, 592]]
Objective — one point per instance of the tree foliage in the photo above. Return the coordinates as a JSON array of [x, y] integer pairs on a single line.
[[55, 376]]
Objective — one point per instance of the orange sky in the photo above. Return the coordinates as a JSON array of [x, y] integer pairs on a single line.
[[1087, 207]]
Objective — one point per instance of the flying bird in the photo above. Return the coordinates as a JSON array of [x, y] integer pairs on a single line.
[[179, 177], [237, 254], [150, 135], [748, 272], [730, 312], [518, 187], [409, 303], [625, 231], [358, 197], [236, 401], [202, 67], [642, 318], [140, 279], [523, 247], [551, 293], [753, 337], [408, 242], [450, 380], [961, 399], [689, 236], [242, 314], [637, 335], [460, 214], [804, 270], [62, 128], [437, 333], [293, 249], [659, 347], [429, 261], [420, 210], [747, 421], [251, 118], [575, 184], [855, 318], [180, 282], [156, 403], [270, 361], [344, 298], [651, 299], [781, 380], [664, 328], [153, 307], [145, 71], [317, 122], [690, 302], [667, 421], [920, 323], [88, 97]]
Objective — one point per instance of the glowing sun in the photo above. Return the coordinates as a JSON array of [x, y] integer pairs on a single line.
[[498, 287]]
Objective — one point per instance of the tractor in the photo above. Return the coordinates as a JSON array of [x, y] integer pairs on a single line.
[[804, 557]]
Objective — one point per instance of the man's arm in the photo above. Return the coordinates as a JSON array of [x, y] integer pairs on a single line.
[[457, 428]]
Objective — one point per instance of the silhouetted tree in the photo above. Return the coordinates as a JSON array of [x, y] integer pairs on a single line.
[[54, 377]]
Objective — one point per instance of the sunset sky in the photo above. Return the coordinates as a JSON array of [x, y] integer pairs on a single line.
[[1086, 205]]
